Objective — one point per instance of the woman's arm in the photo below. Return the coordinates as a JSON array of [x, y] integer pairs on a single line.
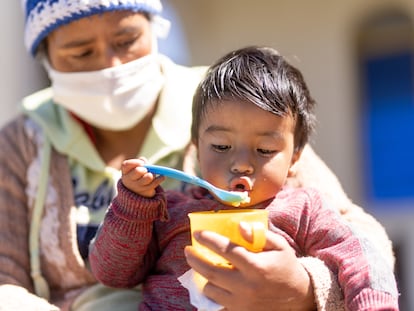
[[311, 171], [16, 288]]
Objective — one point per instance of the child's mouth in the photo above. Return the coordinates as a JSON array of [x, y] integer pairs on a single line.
[[239, 187], [241, 184]]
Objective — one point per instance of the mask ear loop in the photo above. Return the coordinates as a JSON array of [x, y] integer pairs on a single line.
[[160, 28]]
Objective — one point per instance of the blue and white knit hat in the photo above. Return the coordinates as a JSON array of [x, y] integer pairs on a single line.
[[43, 16]]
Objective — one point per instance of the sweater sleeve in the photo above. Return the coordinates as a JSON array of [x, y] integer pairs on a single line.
[[311, 171], [365, 276], [125, 249], [16, 288]]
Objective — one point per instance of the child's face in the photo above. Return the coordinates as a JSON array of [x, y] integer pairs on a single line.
[[243, 147]]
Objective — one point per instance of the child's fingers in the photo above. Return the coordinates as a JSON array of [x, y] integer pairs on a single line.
[[148, 190], [131, 164], [137, 178], [158, 180]]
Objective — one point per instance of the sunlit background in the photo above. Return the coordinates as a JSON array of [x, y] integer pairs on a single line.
[[357, 58]]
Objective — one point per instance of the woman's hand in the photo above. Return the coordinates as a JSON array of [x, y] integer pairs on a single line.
[[270, 280]]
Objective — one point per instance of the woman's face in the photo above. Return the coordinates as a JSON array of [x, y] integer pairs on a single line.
[[99, 41]]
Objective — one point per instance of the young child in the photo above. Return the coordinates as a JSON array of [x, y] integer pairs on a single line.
[[252, 116]]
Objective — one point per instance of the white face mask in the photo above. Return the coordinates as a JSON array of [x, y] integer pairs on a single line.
[[115, 98]]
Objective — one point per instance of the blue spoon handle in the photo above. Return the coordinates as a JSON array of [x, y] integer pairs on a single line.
[[229, 196], [176, 174]]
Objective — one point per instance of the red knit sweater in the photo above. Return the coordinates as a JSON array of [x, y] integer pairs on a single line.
[[142, 242]]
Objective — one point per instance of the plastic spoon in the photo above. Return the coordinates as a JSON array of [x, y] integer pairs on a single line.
[[233, 197]]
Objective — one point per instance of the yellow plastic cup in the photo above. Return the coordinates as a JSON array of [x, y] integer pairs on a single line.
[[226, 223]]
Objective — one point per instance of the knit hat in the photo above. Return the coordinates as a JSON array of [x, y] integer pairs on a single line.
[[43, 16]]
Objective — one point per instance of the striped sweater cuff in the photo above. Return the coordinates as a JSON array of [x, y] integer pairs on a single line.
[[125, 205]]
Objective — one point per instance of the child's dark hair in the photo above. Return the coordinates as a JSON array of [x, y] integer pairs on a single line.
[[259, 75]]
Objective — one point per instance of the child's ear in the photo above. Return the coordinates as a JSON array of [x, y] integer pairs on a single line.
[[295, 158], [190, 162]]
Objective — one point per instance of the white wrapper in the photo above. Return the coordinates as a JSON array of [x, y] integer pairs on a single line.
[[197, 298]]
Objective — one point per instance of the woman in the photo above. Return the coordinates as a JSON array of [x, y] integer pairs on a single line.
[[112, 97]]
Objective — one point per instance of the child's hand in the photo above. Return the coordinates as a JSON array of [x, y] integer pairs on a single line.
[[136, 177]]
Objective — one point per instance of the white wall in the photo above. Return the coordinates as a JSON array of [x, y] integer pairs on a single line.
[[21, 75]]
